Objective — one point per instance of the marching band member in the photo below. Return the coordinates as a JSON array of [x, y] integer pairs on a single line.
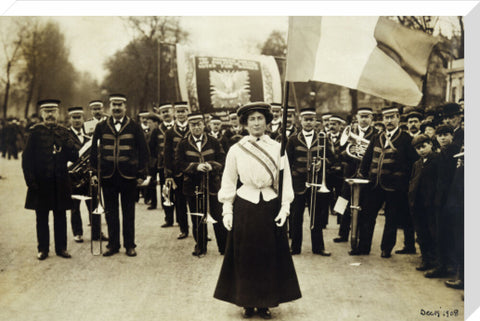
[[173, 175], [301, 148], [325, 122], [196, 156], [336, 177], [215, 132], [235, 132], [152, 138], [366, 131], [387, 164], [98, 114], [44, 162], [274, 127], [257, 270], [165, 110], [143, 120], [124, 157], [76, 128], [291, 128]]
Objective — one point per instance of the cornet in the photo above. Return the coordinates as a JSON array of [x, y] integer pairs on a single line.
[[356, 145], [322, 188]]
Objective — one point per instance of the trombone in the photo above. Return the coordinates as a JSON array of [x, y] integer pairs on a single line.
[[99, 210], [322, 188], [202, 201]]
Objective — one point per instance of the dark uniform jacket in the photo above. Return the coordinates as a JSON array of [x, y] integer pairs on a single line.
[[81, 175], [187, 158], [386, 166], [173, 136], [292, 133], [221, 139], [44, 164], [274, 133], [300, 159], [153, 142], [162, 130], [421, 191], [233, 136], [125, 151]]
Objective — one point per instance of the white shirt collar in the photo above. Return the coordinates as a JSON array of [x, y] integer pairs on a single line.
[[264, 138], [391, 133], [363, 129], [276, 121], [305, 133], [77, 132], [170, 123], [121, 120], [182, 124]]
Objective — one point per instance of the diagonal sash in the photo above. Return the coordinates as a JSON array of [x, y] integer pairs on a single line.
[[264, 158]]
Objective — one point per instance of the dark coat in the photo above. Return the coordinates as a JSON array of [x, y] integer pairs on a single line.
[[187, 158], [445, 172], [44, 164], [232, 136], [421, 191], [125, 152], [173, 136], [390, 168], [153, 142], [300, 159]]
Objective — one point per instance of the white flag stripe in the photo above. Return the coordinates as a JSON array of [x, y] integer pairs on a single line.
[[346, 44]]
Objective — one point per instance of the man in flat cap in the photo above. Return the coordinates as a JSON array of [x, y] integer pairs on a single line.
[[123, 162], [44, 162], [414, 119]]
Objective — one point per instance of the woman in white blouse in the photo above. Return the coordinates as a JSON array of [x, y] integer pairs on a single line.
[[257, 271]]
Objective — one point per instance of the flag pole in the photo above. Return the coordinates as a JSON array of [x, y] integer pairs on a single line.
[[283, 141]]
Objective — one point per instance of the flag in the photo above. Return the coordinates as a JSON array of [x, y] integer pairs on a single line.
[[372, 54]]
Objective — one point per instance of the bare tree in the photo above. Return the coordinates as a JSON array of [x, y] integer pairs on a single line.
[[11, 42]]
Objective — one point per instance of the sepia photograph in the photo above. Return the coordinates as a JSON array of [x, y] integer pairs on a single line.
[[164, 163]]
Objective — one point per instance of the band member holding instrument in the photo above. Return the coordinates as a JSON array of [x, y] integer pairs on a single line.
[[301, 149], [387, 164], [44, 162], [174, 177], [98, 114], [76, 128], [124, 157], [165, 110], [197, 156], [365, 131], [257, 270]]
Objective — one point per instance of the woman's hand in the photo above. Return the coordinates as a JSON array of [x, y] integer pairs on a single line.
[[281, 218], [228, 221]]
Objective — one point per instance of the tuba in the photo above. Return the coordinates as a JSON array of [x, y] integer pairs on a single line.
[[356, 145], [355, 184], [78, 171]]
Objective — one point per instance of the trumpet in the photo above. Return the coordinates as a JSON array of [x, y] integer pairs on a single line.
[[166, 193], [322, 188], [356, 145]]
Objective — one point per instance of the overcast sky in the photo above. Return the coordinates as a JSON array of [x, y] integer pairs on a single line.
[[94, 39]]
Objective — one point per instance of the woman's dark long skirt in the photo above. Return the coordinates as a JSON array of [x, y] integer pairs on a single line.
[[257, 270]]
